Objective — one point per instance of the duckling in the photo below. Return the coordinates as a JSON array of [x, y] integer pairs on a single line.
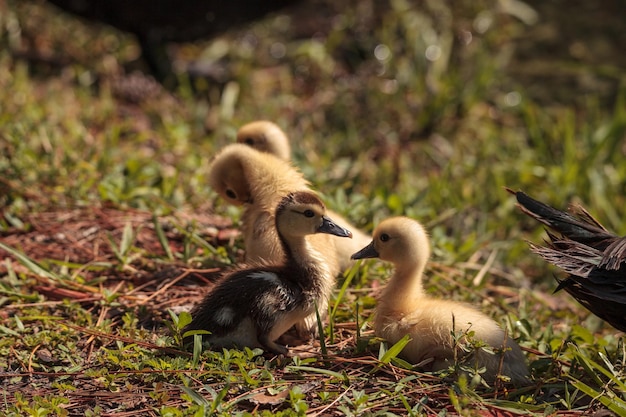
[[256, 180], [594, 258], [244, 176], [404, 308], [253, 306], [268, 137]]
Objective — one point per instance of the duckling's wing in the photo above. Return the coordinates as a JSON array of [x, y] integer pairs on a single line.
[[276, 308], [223, 307]]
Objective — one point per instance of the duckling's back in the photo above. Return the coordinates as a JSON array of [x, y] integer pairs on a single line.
[[248, 303], [430, 325]]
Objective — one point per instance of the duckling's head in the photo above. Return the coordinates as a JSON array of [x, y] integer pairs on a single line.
[[266, 137], [399, 240], [302, 213], [227, 174]]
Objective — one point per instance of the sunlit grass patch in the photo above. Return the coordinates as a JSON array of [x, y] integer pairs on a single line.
[[109, 232]]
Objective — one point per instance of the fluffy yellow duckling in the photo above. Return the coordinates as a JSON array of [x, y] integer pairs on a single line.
[[268, 137], [404, 308], [257, 180], [256, 305], [244, 176]]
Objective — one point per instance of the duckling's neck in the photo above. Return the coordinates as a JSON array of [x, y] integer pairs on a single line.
[[302, 255], [404, 289]]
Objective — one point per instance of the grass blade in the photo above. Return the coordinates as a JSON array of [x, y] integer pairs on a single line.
[[613, 403], [195, 396], [351, 274], [29, 263], [395, 350], [127, 239], [294, 368], [161, 237], [593, 368], [320, 331]]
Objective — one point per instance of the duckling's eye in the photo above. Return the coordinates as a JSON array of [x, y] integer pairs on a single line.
[[308, 213], [231, 194], [249, 141], [384, 237]]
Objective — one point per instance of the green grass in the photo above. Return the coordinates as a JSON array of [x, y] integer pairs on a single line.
[[108, 226]]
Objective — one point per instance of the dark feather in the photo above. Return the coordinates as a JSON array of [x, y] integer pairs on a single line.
[[594, 258], [583, 229]]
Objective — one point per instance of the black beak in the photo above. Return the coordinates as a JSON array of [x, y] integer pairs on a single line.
[[367, 252], [330, 227]]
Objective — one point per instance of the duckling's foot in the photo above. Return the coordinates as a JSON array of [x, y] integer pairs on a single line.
[[306, 330], [271, 346], [293, 338], [296, 336]]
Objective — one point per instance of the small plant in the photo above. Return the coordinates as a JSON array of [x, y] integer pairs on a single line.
[[123, 250]]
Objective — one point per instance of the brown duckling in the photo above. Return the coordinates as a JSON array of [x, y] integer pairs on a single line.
[[594, 258], [404, 308], [268, 137], [253, 306]]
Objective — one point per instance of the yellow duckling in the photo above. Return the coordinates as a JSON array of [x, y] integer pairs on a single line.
[[268, 137], [254, 306], [265, 136], [404, 308], [244, 176], [257, 180]]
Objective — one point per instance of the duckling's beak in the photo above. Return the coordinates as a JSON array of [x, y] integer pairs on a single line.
[[367, 252], [330, 227]]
